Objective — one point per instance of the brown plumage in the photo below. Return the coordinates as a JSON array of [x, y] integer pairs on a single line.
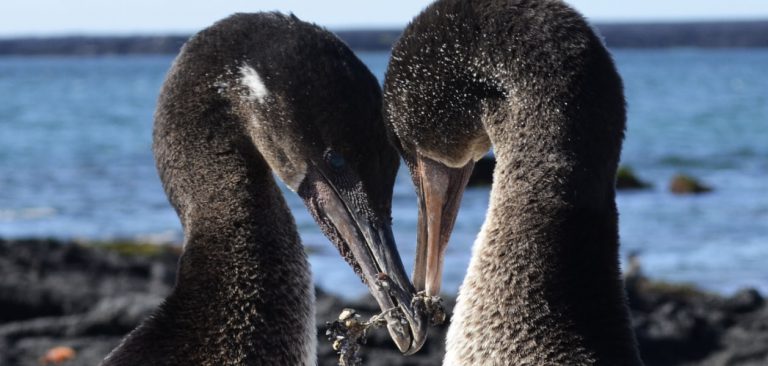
[[531, 79]]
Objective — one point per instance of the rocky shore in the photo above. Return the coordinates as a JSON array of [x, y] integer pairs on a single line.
[[85, 298]]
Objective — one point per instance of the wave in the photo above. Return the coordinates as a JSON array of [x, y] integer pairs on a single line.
[[30, 213]]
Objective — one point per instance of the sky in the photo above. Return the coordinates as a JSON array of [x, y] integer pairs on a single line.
[[123, 17]]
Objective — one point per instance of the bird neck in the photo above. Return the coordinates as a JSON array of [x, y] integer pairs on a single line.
[[544, 273], [244, 292], [245, 273]]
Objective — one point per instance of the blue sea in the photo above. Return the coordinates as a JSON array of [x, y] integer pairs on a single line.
[[76, 163]]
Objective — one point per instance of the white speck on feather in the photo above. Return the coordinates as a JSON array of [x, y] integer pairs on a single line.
[[251, 79]]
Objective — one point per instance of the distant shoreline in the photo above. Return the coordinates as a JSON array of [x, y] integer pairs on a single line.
[[733, 34]]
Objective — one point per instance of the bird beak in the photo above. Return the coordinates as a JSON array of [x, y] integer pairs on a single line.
[[440, 189], [370, 247]]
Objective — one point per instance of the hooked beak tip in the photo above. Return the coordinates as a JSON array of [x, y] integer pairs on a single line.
[[393, 290], [409, 332]]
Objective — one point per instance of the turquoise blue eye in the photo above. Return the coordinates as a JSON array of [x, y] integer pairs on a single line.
[[336, 161]]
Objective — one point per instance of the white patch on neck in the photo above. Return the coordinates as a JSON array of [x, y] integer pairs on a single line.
[[251, 79], [455, 342]]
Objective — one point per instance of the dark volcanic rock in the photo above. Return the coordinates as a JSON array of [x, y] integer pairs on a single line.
[[627, 179], [54, 294], [744, 301], [684, 184], [680, 325], [44, 278]]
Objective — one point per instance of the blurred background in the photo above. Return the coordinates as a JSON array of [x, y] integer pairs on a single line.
[[79, 81], [78, 87]]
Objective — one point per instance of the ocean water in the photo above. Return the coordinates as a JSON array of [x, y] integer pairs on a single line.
[[76, 162]]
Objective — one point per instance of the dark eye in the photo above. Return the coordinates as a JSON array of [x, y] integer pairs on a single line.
[[335, 160]]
